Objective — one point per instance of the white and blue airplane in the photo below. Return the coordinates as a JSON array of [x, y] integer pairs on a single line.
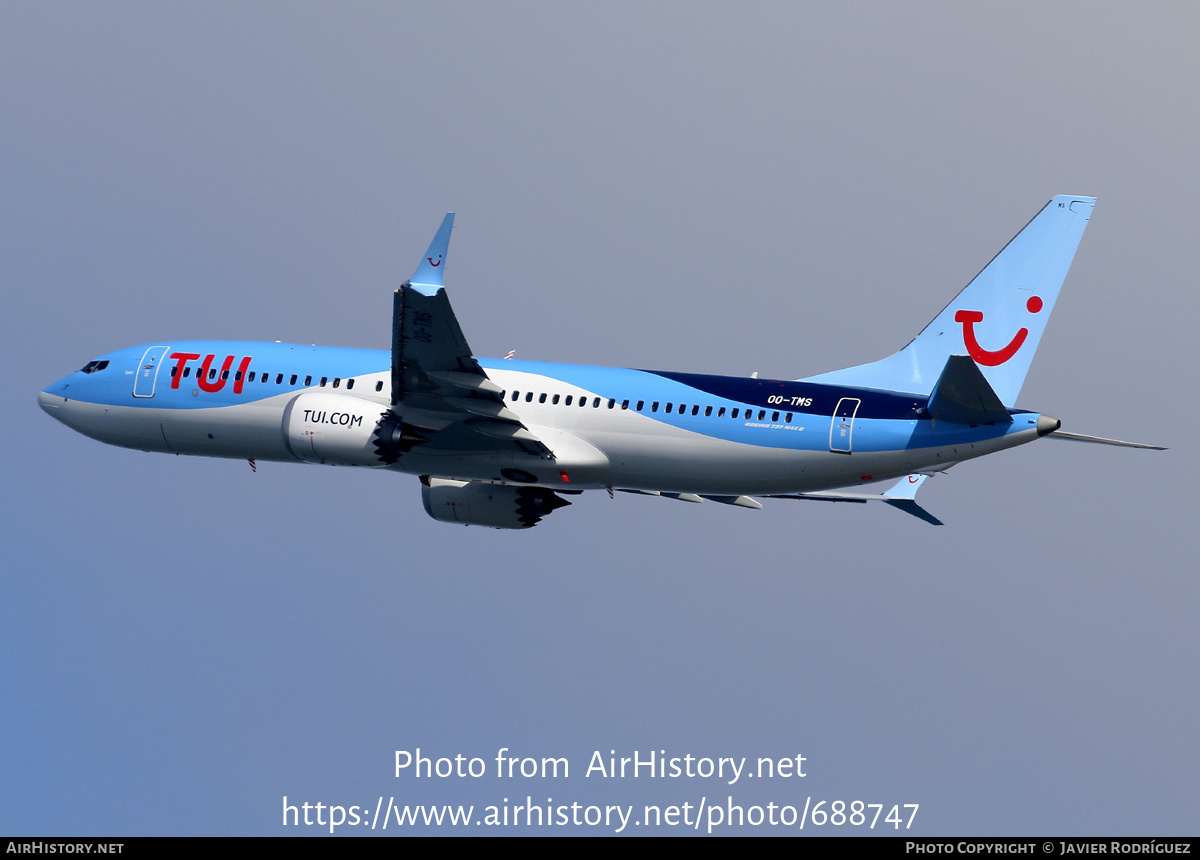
[[500, 442]]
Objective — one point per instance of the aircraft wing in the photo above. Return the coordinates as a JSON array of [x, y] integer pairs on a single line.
[[441, 397], [902, 495]]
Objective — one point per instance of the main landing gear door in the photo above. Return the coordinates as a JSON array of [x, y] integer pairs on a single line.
[[147, 372], [841, 428]]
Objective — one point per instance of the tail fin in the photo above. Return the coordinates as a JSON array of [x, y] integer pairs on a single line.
[[1010, 300]]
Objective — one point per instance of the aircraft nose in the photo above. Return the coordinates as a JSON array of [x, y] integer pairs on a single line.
[[53, 399], [50, 403]]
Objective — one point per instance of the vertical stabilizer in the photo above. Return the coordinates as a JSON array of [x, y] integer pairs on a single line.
[[998, 319]]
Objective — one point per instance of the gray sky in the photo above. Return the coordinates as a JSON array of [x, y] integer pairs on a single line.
[[715, 188]]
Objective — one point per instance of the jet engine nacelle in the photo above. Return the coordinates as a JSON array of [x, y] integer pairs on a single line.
[[496, 506], [334, 429]]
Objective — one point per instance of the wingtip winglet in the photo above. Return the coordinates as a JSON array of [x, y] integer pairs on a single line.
[[906, 487], [903, 497], [427, 280], [911, 507]]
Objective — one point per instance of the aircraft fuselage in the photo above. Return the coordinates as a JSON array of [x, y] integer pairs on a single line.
[[607, 427]]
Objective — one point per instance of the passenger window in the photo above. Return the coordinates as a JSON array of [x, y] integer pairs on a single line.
[[654, 406], [224, 374], [733, 414], [787, 419], [696, 409], [612, 402], [670, 408], [349, 383], [307, 380], [379, 385], [542, 397], [237, 377], [762, 413], [721, 412], [707, 411], [516, 396], [566, 402], [640, 404], [337, 380], [187, 371], [554, 400], [528, 396], [624, 404], [774, 416], [324, 379]]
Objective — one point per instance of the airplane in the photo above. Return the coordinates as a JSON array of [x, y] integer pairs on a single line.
[[501, 443]]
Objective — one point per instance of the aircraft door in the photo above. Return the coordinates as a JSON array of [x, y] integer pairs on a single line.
[[841, 428], [147, 372]]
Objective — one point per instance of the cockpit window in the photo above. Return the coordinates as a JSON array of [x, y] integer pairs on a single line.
[[94, 366]]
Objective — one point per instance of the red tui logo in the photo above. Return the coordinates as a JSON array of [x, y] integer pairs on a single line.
[[987, 357]]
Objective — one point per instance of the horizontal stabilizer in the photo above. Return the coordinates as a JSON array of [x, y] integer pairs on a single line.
[[962, 395], [1099, 440]]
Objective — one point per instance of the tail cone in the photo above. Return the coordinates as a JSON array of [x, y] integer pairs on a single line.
[[1047, 425]]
